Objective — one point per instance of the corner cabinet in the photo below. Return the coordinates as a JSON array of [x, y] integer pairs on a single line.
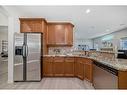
[[32, 24], [60, 34], [84, 69]]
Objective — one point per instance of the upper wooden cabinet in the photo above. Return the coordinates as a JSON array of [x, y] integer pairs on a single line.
[[32, 25], [60, 34]]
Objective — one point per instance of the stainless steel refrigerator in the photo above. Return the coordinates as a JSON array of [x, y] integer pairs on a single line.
[[28, 55]]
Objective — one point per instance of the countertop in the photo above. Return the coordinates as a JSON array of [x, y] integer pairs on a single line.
[[118, 64]]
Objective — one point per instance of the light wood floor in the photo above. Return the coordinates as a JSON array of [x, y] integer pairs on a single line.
[[46, 83], [50, 83]]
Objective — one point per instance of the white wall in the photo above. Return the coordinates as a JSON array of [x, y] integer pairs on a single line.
[[13, 26], [3, 36], [3, 20], [116, 38]]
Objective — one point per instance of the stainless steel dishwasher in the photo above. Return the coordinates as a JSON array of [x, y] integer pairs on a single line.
[[104, 77]]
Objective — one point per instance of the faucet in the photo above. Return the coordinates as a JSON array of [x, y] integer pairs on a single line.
[[86, 48]]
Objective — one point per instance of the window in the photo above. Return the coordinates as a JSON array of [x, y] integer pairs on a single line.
[[124, 43]]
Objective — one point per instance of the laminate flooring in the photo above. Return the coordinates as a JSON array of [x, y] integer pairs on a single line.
[[50, 83]]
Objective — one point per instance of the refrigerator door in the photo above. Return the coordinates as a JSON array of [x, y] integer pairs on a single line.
[[33, 59], [18, 58]]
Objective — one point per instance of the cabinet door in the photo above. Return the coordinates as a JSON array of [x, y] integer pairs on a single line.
[[47, 66], [58, 66], [81, 71], [69, 34], [31, 26], [26, 26], [51, 35], [37, 26], [88, 70], [69, 67], [76, 67], [79, 68], [58, 69], [60, 34]]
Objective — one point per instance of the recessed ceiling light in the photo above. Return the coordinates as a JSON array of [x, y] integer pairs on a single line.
[[88, 11]]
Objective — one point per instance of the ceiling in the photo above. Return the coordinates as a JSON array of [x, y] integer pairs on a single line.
[[99, 21]]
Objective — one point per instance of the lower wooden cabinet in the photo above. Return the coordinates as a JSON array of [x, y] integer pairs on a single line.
[[58, 69], [88, 70], [79, 68], [76, 67], [69, 67], [47, 66], [58, 66], [81, 71]]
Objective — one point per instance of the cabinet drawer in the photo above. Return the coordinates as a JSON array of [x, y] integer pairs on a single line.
[[59, 59], [71, 59], [48, 59], [81, 60]]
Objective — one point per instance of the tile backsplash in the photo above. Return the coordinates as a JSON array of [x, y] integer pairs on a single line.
[[59, 50]]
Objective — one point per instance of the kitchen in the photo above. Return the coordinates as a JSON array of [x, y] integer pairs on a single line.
[[73, 46]]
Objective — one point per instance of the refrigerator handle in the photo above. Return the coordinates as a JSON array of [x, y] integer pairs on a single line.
[[24, 50], [27, 50]]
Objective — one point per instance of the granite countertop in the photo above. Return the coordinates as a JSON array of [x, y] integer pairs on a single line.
[[118, 64]]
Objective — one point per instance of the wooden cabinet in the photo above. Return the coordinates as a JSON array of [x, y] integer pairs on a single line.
[[32, 24], [76, 67], [58, 66], [84, 68], [88, 70], [35, 25], [69, 34], [60, 34], [51, 34], [48, 66], [44, 44], [69, 66], [81, 71], [79, 68]]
